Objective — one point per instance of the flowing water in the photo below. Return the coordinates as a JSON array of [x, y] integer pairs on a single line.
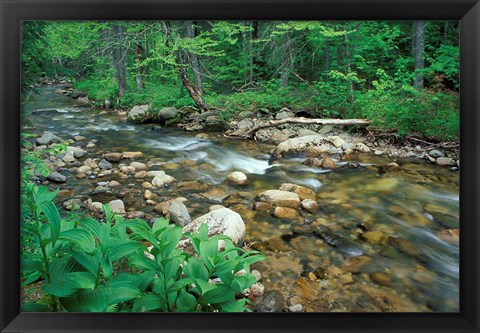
[[409, 268]]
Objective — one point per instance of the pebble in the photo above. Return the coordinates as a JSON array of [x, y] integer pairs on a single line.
[[257, 275], [295, 308], [257, 289]]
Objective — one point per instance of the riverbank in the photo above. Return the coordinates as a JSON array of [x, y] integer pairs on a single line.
[[343, 139]]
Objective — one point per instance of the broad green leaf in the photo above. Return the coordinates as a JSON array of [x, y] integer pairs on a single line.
[[80, 237], [225, 266], [204, 286], [89, 300], [185, 302], [30, 278], [34, 307], [108, 213], [159, 224], [171, 267], [172, 237], [122, 292], [139, 280], [142, 262], [147, 302], [31, 264], [93, 225], [90, 262], [70, 284], [242, 282], [180, 284], [238, 306], [208, 251], [124, 249], [220, 294], [59, 267], [107, 267], [51, 212], [196, 270], [104, 238]]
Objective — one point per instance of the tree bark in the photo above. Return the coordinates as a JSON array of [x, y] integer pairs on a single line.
[[418, 30], [119, 55], [139, 70], [194, 58], [301, 120], [287, 61], [192, 90]]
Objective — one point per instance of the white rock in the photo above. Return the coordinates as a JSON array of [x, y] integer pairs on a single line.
[[162, 180], [117, 206], [237, 178]]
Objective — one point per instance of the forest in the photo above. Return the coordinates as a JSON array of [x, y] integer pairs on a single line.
[[240, 166], [403, 76]]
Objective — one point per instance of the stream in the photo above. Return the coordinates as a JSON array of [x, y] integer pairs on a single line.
[[379, 247]]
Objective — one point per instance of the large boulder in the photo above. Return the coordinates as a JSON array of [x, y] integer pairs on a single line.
[[222, 221], [302, 143], [140, 113], [280, 198], [179, 213], [167, 113], [57, 177], [284, 114], [48, 138]]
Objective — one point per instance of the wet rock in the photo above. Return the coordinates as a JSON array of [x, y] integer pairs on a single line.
[[136, 214], [302, 143], [147, 185], [356, 264], [162, 179], [262, 206], [257, 274], [68, 158], [215, 207], [375, 237], [280, 198], [283, 114], [167, 113], [313, 162], [257, 289], [90, 163], [328, 163], [155, 173], [361, 147], [302, 191], [77, 152], [445, 161], [105, 165], [113, 157], [117, 206], [435, 153], [179, 213], [57, 177], [132, 154], [449, 235], [381, 278], [127, 169], [220, 222], [96, 207], [100, 189], [295, 308], [392, 166], [214, 124], [405, 246], [47, 138], [309, 205], [70, 204], [237, 178], [305, 132], [140, 113], [140, 174], [306, 289], [326, 129], [113, 183], [336, 141], [272, 302], [139, 166], [149, 195], [284, 212], [346, 279], [377, 152], [347, 146]]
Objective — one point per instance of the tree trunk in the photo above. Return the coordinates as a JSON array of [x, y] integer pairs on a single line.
[[119, 58], [287, 61], [139, 70], [418, 52], [194, 58], [192, 90], [253, 59]]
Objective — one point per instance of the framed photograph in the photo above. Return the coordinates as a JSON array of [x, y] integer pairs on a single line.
[[240, 166]]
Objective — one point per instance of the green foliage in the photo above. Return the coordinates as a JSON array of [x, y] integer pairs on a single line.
[[90, 266]]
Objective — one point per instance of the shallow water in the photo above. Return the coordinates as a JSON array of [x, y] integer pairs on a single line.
[[409, 206]]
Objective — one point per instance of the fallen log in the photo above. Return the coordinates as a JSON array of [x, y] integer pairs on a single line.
[[309, 121], [44, 110]]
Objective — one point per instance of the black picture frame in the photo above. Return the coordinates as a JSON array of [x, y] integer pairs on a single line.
[[13, 12]]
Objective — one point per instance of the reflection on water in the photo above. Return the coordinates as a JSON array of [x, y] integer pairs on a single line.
[[406, 208]]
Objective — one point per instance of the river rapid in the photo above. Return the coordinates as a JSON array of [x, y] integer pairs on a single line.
[[375, 243]]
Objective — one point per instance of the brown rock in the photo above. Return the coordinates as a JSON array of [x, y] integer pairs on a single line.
[[262, 206], [113, 157], [449, 235], [139, 166], [375, 237], [355, 264], [310, 205], [140, 174], [302, 191], [381, 278], [313, 162], [284, 212], [280, 198], [328, 163], [132, 154]]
